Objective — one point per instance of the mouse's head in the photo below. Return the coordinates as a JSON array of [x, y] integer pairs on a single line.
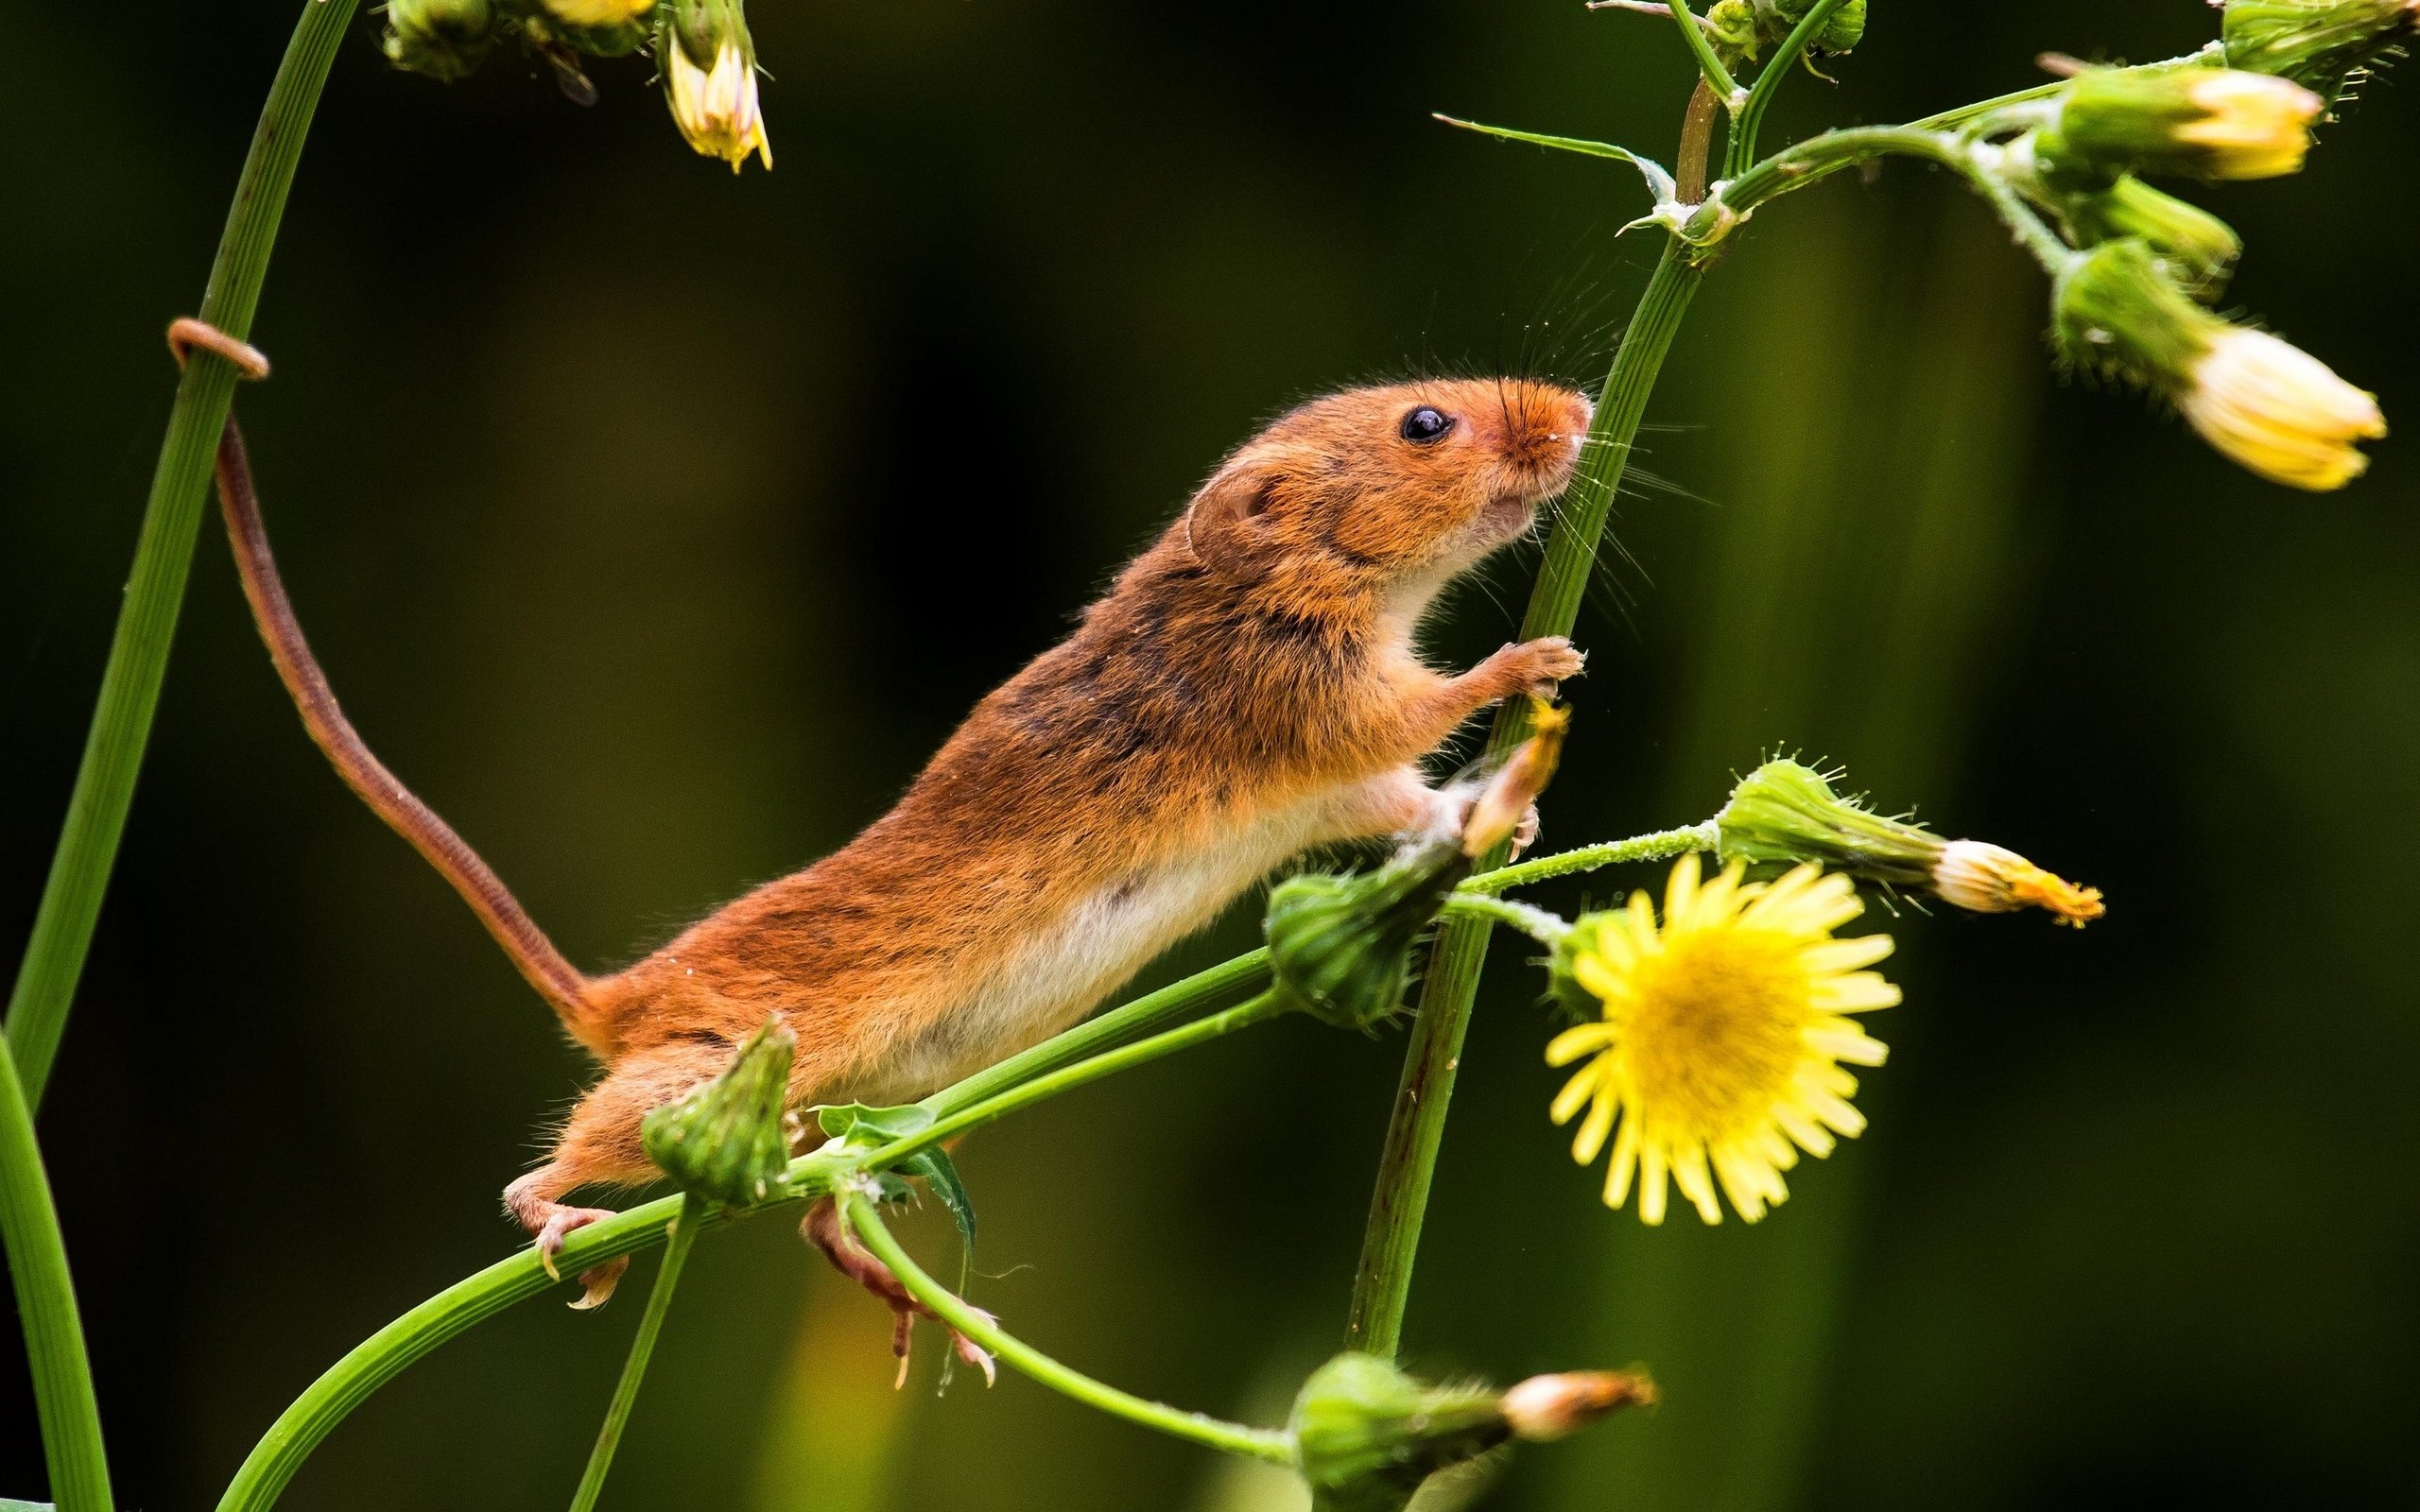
[[1395, 488]]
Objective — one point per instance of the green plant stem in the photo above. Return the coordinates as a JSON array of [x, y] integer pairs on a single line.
[[1399, 1201], [1819, 157], [1268, 1445], [146, 624], [1661, 846], [71, 1417], [386, 1354], [1141, 1016], [683, 1233], [1546, 928], [1751, 119], [1034, 1090], [1726, 88]]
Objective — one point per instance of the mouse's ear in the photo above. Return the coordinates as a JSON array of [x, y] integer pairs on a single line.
[[1228, 524]]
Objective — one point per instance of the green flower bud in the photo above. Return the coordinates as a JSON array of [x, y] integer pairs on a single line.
[[1785, 814], [2116, 312], [444, 38], [2203, 123], [1368, 1435], [1340, 946], [727, 1140], [1732, 26], [1841, 33], [2324, 44], [2196, 248]]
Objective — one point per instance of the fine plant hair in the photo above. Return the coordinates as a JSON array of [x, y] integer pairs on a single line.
[[1393, 949]]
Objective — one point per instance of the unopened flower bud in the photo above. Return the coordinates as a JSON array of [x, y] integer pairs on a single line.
[[2195, 246], [726, 1140], [1730, 26], [1841, 31], [2203, 123], [2266, 404], [444, 38], [1340, 946], [1367, 1435], [2324, 44], [1545, 1408], [710, 79], [1787, 814]]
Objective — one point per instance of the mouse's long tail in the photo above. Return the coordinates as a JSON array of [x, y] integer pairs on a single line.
[[557, 980]]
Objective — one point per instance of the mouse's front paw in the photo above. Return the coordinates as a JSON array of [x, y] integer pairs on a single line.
[[1534, 666]]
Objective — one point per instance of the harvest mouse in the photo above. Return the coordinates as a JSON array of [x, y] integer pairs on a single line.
[[1246, 690]]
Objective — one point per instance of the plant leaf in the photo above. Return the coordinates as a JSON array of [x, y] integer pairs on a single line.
[[1659, 182], [941, 1173], [860, 1124]]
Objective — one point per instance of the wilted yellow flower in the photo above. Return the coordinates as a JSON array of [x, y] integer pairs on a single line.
[[2279, 411], [1988, 878], [1718, 1053], [716, 108]]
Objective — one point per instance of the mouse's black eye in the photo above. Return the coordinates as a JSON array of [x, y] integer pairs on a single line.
[[1425, 425]]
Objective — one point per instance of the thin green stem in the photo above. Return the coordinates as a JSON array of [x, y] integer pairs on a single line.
[[1033, 1090], [1141, 1016], [1399, 1202], [1751, 119], [1662, 845], [1817, 158], [682, 1233], [1540, 926], [71, 1417], [1726, 88], [146, 624], [1270, 1445], [386, 1354]]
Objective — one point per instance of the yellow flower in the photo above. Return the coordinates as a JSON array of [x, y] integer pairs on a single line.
[[716, 110], [2255, 126], [2279, 411], [1720, 1050]]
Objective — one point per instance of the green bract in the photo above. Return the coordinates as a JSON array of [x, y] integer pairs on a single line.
[[1843, 30], [1340, 946], [2114, 311], [2323, 44], [2195, 246], [724, 1140], [2200, 123], [1368, 1435], [444, 38], [1785, 812]]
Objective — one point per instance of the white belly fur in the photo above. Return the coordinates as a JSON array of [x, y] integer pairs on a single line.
[[1068, 967]]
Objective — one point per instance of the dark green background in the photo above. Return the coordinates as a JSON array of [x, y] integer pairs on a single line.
[[656, 523]]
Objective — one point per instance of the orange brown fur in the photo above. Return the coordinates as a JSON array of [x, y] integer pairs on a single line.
[[1247, 689]]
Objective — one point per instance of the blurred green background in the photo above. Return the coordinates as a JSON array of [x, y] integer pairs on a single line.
[[657, 523]]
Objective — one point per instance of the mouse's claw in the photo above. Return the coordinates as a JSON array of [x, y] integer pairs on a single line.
[[825, 1230], [599, 1280]]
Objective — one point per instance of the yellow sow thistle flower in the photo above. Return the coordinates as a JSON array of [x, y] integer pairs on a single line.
[[1719, 1055], [2203, 123], [2263, 402], [2279, 411], [716, 108]]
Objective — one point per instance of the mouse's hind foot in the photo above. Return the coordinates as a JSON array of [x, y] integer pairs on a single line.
[[826, 1231], [549, 1224]]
